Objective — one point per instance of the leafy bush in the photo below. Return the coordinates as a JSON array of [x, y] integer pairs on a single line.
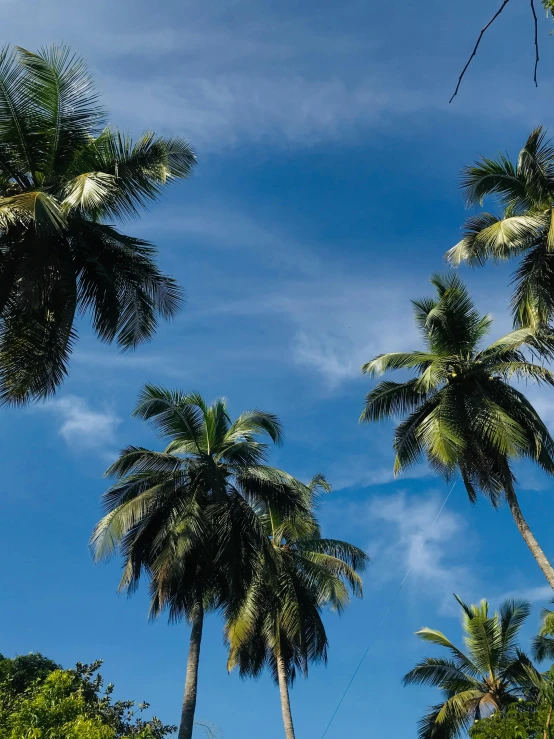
[[40, 700], [521, 721]]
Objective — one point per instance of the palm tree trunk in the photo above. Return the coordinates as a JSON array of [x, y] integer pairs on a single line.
[[189, 697], [527, 534], [285, 700]]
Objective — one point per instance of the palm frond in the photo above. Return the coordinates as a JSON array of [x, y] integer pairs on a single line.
[[66, 111], [173, 414], [141, 169], [487, 237], [397, 360], [493, 177], [391, 399]]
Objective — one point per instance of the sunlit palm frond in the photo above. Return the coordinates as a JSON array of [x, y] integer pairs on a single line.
[[397, 360], [474, 685], [494, 177], [391, 399], [66, 110]]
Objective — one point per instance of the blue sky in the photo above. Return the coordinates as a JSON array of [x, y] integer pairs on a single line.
[[325, 195]]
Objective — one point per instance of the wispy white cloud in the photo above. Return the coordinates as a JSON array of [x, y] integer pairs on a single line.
[[410, 536], [260, 73], [82, 426], [335, 319], [538, 594], [367, 471]]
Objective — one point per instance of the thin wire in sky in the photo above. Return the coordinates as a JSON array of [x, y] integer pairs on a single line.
[[395, 596]]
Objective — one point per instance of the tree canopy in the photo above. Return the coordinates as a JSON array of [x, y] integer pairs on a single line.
[[40, 700]]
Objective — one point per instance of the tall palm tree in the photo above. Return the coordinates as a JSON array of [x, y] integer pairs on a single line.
[[488, 678], [64, 175], [525, 229], [278, 624], [461, 410], [185, 517], [543, 643]]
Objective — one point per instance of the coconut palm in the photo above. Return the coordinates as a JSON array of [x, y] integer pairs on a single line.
[[489, 677], [543, 643], [278, 624], [185, 517], [64, 176], [461, 410], [525, 229]]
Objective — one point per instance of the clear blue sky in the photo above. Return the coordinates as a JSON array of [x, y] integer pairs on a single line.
[[325, 195]]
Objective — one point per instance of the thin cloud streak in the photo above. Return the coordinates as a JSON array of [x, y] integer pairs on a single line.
[[81, 426], [406, 539]]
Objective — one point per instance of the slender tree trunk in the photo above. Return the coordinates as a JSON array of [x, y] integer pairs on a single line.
[[530, 540], [285, 700], [547, 727], [189, 697]]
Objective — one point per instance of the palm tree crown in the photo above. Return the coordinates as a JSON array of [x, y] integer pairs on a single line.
[[278, 624], [186, 517], [487, 678], [543, 643], [461, 410], [280, 615], [525, 229], [202, 488], [63, 176]]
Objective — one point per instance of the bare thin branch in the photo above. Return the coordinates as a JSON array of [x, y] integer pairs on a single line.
[[536, 41], [483, 31]]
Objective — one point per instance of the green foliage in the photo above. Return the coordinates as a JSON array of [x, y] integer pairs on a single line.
[[186, 516], [491, 675], [190, 517], [520, 721], [64, 176], [525, 227], [543, 643], [280, 616], [461, 409], [39, 700]]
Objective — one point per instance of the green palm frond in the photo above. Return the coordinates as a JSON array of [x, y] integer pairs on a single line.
[[526, 230], [397, 360], [255, 422], [543, 642], [493, 177], [173, 414], [391, 399], [489, 678], [513, 614], [488, 237], [66, 110], [532, 301], [141, 169], [437, 637], [504, 347]]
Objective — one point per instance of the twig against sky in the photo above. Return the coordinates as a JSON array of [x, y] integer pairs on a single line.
[[474, 52], [484, 30], [536, 22]]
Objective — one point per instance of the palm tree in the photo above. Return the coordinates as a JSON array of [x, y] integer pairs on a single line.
[[543, 643], [185, 517], [488, 678], [525, 229], [278, 624], [461, 410], [63, 176]]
